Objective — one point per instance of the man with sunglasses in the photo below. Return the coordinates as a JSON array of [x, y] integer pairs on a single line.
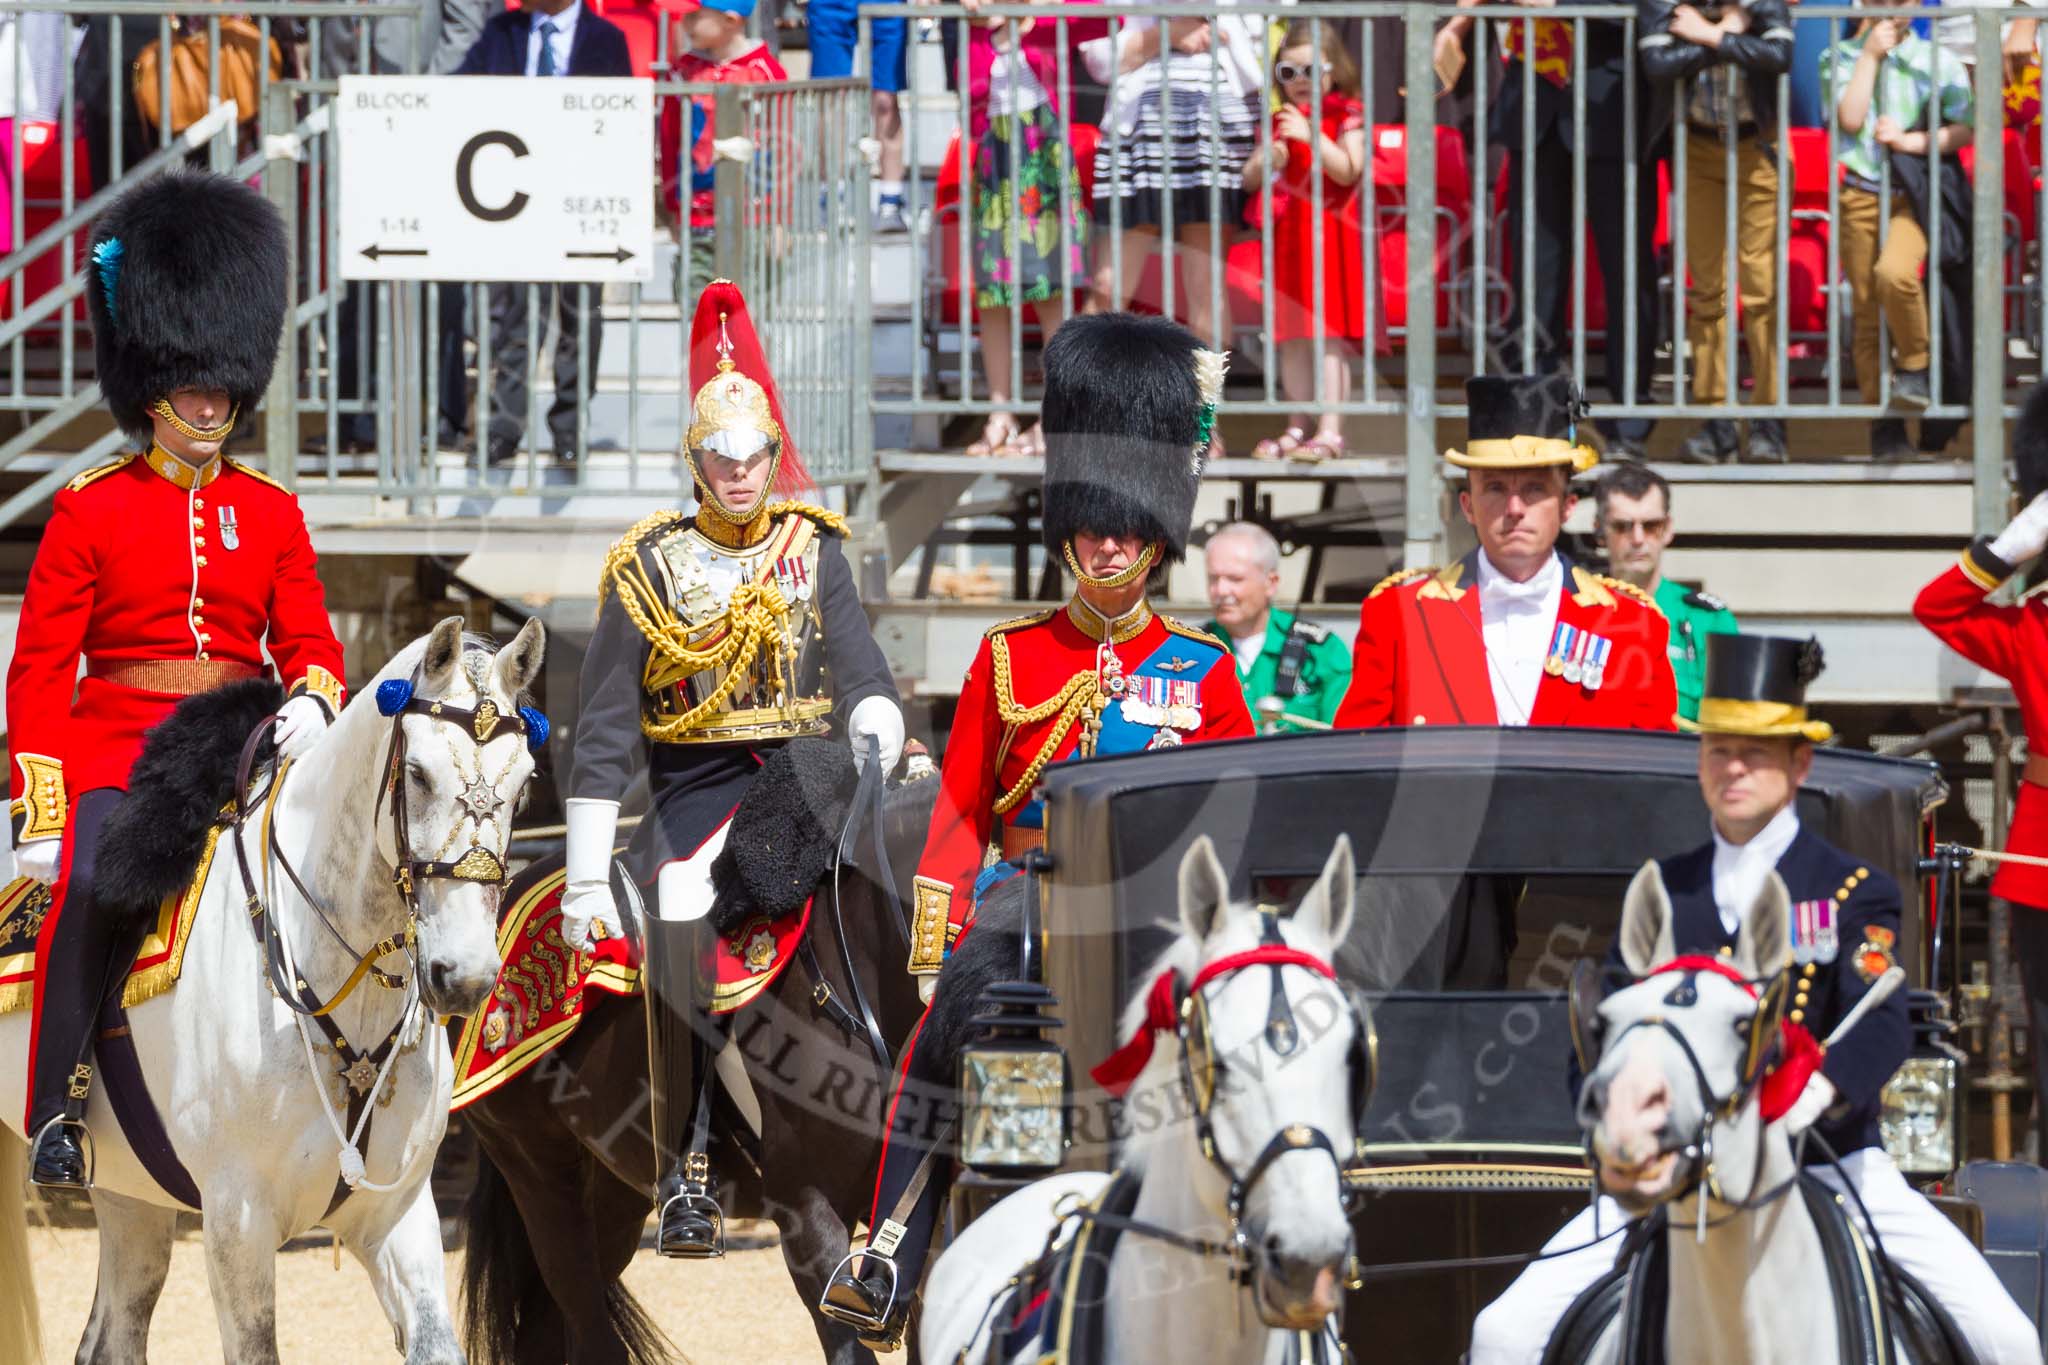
[[1756, 749], [1634, 517]]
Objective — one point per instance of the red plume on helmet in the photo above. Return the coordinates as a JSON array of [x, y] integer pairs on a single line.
[[721, 302]]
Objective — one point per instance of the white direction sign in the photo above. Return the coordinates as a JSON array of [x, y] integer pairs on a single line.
[[496, 178]]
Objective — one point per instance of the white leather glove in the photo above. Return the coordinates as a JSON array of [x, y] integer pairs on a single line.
[[2026, 535], [879, 717], [1813, 1101], [927, 987], [38, 859], [588, 911], [300, 724]]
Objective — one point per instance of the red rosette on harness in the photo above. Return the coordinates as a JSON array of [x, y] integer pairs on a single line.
[[1799, 1056], [723, 342]]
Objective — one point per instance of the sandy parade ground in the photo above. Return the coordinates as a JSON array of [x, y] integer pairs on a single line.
[[741, 1309]]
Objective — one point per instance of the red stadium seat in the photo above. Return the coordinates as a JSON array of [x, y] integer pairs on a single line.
[[1454, 218], [42, 189]]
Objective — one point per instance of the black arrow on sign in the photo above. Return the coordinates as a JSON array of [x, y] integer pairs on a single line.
[[615, 254], [373, 251]]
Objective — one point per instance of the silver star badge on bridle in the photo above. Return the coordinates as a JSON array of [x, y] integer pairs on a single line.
[[480, 799]]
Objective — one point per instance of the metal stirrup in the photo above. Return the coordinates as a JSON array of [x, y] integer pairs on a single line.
[[861, 1322], [67, 1120]]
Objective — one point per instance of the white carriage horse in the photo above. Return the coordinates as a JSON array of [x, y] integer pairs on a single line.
[[242, 1080], [1236, 1187], [1674, 1117]]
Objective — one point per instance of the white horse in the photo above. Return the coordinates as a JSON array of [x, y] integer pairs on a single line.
[[1236, 1280], [224, 1056], [1672, 1110]]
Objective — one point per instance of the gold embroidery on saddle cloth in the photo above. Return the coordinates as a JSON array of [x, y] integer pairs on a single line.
[[25, 903]]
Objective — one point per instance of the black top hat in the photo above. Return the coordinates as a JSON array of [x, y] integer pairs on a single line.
[[186, 291], [1756, 685], [1523, 421]]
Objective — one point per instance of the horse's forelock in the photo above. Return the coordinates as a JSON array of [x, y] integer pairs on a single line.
[[478, 652]]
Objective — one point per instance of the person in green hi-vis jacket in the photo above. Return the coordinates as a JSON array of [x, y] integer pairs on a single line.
[[1293, 672], [1634, 508]]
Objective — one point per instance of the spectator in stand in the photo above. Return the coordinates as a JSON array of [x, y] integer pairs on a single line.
[[1319, 103], [1634, 514], [834, 36], [1719, 64], [1544, 284], [1891, 83], [1024, 181], [1181, 123], [1955, 29], [34, 50], [435, 44], [547, 38], [1294, 673], [719, 53]]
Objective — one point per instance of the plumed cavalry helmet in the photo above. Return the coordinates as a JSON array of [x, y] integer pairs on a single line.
[[1129, 403], [186, 290], [736, 413]]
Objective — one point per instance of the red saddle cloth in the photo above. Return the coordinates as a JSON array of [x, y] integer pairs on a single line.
[[543, 988]]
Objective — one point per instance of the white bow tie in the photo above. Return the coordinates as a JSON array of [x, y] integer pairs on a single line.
[[1510, 593]]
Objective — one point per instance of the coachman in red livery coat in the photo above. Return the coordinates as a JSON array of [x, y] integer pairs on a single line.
[[1514, 633], [2011, 640], [166, 571], [1128, 406]]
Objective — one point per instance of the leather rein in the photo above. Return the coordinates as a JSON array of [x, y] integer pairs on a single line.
[[361, 1069]]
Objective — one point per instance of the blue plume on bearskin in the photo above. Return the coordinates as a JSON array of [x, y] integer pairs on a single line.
[[199, 261], [150, 845]]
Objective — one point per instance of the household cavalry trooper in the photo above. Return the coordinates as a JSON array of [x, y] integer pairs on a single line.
[[719, 637], [1129, 402], [1514, 633], [1756, 749], [168, 570]]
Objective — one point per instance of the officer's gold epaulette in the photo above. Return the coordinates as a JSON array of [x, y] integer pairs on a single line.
[[823, 517], [1628, 589], [98, 472], [256, 474], [626, 548], [1179, 627], [1036, 618], [1398, 577]]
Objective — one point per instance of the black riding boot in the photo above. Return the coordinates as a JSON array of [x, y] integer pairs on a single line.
[[88, 959], [872, 1290], [691, 1225]]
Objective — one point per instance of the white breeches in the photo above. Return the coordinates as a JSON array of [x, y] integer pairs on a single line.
[[682, 889], [1514, 1328]]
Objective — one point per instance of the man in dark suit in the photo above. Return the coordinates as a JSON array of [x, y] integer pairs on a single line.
[[1604, 70], [547, 38]]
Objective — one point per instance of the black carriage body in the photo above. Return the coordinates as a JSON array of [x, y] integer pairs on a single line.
[[1489, 861]]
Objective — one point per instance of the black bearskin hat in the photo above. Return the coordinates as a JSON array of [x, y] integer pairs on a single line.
[[186, 286], [2030, 445], [1128, 405]]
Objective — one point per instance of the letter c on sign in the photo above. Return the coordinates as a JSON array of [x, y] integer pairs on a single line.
[[465, 166]]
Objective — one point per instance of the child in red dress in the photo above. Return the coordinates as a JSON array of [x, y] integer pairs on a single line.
[[1299, 312]]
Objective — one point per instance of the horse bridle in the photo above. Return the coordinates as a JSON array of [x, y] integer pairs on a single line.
[[395, 699], [1769, 994], [1283, 1035]]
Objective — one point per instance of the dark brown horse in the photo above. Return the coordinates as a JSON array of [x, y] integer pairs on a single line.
[[566, 1162]]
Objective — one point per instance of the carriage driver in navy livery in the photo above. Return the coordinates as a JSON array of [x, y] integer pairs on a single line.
[[1756, 749], [719, 637]]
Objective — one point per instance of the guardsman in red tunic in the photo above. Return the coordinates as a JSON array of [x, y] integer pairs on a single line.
[[1514, 633], [1128, 406], [2012, 641], [166, 571]]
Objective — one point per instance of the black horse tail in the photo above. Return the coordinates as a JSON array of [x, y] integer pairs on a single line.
[[501, 1281]]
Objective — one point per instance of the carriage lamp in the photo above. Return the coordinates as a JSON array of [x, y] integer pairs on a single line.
[[1013, 1084], [1918, 1115]]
